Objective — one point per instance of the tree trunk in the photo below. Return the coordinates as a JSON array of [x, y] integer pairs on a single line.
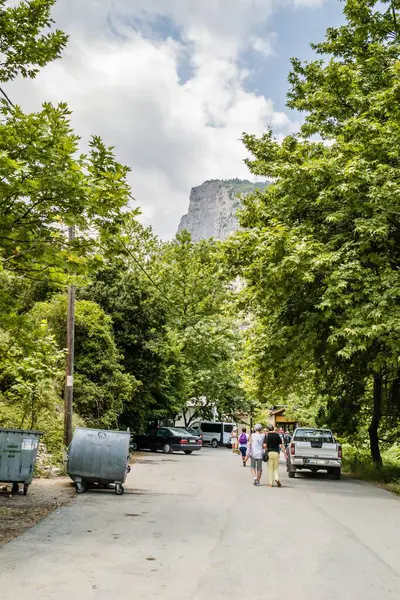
[[375, 421]]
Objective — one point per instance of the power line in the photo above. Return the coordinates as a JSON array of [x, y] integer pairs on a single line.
[[147, 275], [201, 334], [6, 97]]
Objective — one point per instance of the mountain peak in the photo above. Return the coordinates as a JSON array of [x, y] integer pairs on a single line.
[[213, 206]]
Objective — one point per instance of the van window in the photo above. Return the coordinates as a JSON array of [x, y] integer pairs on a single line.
[[228, 428], [211, 427]]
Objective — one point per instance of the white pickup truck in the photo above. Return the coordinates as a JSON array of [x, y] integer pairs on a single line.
[[314, 450]]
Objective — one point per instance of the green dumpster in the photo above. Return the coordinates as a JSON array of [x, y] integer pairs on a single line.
[[18, 450]]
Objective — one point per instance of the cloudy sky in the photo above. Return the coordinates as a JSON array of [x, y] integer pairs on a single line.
[[172, 84]]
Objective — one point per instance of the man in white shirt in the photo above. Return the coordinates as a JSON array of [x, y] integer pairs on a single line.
[[256, 450]]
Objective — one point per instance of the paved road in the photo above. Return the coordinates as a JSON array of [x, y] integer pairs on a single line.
[[194, 527]]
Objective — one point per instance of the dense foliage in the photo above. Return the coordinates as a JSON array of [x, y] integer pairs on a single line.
[[151, 325], [320, 248], [159, 328]]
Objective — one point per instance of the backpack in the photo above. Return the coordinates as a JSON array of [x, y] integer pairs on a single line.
[[243, 439]]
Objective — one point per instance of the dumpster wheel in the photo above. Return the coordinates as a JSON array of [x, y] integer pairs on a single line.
[[80, 487], [119, 489], [26, 487]]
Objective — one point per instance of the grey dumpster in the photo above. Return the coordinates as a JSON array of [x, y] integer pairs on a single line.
[[97, 456], [18, 450]]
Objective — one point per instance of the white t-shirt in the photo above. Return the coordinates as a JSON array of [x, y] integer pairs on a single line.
[[256, 445]]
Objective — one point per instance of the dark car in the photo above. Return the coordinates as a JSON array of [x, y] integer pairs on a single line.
[[167, 439]]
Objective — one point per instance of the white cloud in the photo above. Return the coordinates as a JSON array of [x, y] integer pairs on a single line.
[[124, 82], [264, 46], [309, 3]]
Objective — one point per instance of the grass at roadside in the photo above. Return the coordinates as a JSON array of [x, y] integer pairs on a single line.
[[388, 476], [358, 464]]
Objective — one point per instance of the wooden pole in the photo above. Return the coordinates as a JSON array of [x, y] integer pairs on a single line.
[[69, 383]]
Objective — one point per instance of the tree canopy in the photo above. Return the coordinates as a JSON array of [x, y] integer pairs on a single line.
[[28, 40], [320, 248]]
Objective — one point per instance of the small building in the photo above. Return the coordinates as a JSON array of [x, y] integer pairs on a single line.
[[278, 419]]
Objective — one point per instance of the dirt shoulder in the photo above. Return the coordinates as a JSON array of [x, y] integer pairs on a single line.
[[18, 512]]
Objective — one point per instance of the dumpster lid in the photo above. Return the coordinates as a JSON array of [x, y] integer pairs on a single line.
[[96, 430], [11, 430]]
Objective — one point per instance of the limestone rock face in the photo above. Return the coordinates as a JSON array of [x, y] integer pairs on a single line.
[[213, 206]]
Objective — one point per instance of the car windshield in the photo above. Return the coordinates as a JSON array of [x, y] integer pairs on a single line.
[[314, 435]]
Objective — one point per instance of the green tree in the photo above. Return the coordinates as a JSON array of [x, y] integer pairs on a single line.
[[320, 249], [101, 384], [27, 38], [45, 186], [201, 323], [29, 377], [139, 319]]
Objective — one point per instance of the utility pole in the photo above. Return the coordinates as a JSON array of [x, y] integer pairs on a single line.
[[69, 383]]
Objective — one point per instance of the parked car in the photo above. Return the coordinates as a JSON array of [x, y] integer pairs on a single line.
[[167, 439], [314, 450], [215, 433]]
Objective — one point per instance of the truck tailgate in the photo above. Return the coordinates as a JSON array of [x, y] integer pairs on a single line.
[[312, 449]]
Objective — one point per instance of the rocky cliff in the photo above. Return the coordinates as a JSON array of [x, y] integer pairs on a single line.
[[213, 206]]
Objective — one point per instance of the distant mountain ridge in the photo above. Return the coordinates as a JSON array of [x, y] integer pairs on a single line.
[[213, 207]]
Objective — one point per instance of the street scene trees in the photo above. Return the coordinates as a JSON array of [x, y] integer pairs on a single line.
[[225, 391], [161, 325], [319, 248]]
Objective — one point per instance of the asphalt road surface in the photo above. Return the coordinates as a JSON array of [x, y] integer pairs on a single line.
[[194, 527]]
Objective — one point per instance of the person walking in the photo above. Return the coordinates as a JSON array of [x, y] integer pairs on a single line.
[[234, 440], [274, 447], [255, 451], [243, 441]]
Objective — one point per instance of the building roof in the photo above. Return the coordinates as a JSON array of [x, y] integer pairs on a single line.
[[279, 411]]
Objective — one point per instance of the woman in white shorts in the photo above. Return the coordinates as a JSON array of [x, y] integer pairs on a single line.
[[234, 440]]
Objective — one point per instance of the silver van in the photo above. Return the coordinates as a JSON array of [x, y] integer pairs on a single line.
[[215, 433]]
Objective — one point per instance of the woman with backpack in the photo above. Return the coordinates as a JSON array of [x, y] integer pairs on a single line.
[[243, 441]]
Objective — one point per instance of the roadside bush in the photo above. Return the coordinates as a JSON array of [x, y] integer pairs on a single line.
[[357, 462], [354, 457]]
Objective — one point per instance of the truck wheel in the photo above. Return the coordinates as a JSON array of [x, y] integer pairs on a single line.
[[214, 443], [291, 473], [337, 473], [134, 447]]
